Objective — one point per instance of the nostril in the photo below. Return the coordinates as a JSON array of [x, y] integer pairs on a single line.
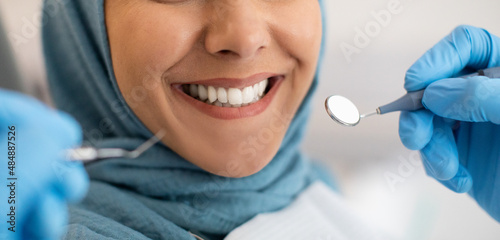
[[225, 52]]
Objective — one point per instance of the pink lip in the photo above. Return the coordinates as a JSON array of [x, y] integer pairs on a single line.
[[232, 82], [229, 113]]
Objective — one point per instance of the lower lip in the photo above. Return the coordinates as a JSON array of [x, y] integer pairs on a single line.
[[229, 113]]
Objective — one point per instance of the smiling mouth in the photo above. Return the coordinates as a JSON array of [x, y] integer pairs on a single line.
[[229, 97]]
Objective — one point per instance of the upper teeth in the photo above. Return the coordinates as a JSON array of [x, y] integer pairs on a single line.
[[228, 96]]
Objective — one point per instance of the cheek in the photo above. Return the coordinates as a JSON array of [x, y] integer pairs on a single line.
[[298, 30], [143, 44]]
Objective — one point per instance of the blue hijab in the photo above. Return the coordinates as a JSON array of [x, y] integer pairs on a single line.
[[160, 195]]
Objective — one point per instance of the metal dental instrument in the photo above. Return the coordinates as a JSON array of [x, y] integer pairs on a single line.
[[89, 154], [344, 112]]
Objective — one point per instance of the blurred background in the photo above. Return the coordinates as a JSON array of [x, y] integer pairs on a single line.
[[365, 158]]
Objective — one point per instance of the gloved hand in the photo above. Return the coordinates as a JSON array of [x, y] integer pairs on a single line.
[[458, 135], [42, 182]]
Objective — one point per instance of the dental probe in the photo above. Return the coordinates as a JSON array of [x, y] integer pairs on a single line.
[[87, 154]]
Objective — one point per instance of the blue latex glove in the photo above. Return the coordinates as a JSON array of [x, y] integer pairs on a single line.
[[458, 135], [45, 182]]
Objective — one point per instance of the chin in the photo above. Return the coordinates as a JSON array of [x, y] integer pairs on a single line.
[[235, 166]]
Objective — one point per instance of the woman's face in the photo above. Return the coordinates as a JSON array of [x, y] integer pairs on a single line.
[[222, 77]]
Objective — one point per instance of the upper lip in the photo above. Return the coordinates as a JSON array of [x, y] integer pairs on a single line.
[[233, 82]]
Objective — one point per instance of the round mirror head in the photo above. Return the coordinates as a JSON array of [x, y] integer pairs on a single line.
[[342, 110]]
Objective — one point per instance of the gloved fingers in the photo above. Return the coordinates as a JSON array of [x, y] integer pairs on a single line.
[[416, 128], [440, 155], [25, 111], [71, 181], [475, 99], [461, 182], [464, 47], [68, 131], [55, 130], [16, 108], [49, 218]]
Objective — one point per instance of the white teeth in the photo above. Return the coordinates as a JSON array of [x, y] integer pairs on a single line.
[[231, 97], [222, 95], [262, 87], [247, 94], [202, 92], [212, 94], [234, 96], [255, 99], [256, 90], [193, 90]]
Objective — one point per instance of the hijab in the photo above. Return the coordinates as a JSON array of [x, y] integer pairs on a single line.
[[159, 195]]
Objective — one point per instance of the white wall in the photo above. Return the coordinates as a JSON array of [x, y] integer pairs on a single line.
[[419, 208], [22, 20]]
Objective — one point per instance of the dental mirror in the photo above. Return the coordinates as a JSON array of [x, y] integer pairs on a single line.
[[342, 110]]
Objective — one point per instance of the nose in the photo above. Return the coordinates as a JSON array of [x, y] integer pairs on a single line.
[[236, 29]]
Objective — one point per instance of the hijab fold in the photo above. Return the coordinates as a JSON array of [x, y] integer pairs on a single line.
[[159, 195]]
